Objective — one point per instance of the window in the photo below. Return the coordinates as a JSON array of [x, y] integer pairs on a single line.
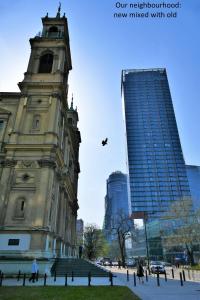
[[20, 208], [13, 242], [36, 122], [25, 177], [70, 121], [1, 124], [46, 63], [53, 29], [53, 32]]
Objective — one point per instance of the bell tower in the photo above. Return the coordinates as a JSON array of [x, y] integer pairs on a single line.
[[50, 59], [39, 164]]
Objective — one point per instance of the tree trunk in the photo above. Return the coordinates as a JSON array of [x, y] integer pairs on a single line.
[[121, 241], [190, 253]]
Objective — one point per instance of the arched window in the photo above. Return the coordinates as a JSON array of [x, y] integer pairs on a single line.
[[36, 122], [53, 32], [53, 29], [46, 63], [22, 205]]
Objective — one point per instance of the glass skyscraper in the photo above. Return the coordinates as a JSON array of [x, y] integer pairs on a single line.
[[157, 172], [116, 200]]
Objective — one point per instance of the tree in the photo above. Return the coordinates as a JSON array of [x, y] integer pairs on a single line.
[[122, 228], [184, 227], [95, 244], [114, 251]]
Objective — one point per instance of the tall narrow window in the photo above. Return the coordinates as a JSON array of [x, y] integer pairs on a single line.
[[46, 63], [36, 122], [22, 205]]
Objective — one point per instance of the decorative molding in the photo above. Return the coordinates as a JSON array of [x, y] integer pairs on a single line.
[[43, 163], [8, 163], [23, 164]]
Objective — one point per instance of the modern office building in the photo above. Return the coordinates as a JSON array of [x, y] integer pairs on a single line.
[[157, 172], [193, 174], [39, 150], [116, 200]]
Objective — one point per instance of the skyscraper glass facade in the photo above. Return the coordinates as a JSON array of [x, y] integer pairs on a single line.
[[157, 173], [193, 174], [116, 200]]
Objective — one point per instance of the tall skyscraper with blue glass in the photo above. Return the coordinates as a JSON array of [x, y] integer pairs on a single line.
[[157, 172], [116, 201]]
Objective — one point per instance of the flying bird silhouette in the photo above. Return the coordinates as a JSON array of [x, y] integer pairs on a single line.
[[105, 142]]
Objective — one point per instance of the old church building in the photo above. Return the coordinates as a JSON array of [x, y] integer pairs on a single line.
[[39, 150]]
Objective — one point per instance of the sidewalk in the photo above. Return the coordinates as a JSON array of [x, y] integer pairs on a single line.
[[59, 281], [170, 290]]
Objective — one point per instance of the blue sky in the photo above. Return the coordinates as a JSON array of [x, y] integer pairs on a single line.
[[101, 47]]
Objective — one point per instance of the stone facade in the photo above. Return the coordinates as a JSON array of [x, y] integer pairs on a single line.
[[39, 150]]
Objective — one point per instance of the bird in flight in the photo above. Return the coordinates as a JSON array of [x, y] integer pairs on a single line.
[[105, 142]]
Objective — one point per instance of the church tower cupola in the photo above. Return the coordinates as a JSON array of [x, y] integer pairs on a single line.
[[50, 59]]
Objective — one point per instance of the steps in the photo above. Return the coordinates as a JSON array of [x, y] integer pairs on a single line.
[[80, 268]]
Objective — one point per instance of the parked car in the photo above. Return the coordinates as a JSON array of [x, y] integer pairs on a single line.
[[130, 262], [157, 267], [98, 262], [166, 264], [106, 261], [115, 263]]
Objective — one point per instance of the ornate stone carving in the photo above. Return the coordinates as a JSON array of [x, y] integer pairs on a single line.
[[24, 164]]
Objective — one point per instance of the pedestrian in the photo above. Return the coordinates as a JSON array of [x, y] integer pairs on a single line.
[[80, 250], [140, 272], [119, 264], [34, 271]]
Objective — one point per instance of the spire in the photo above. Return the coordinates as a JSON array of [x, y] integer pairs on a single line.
[[71, 107], [59, 9]]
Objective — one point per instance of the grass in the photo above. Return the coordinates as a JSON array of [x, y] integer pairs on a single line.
[[196, 267], [67, 293]]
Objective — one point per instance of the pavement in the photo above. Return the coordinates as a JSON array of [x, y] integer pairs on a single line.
[[168, 290]]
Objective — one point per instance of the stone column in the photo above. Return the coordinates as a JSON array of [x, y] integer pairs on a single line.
[[64, 250], [61, 245], [47, 243], [54, 247]]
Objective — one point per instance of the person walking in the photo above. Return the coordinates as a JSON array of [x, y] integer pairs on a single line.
[[119, 264], [80, 251], [140, 272], [34, 270]]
